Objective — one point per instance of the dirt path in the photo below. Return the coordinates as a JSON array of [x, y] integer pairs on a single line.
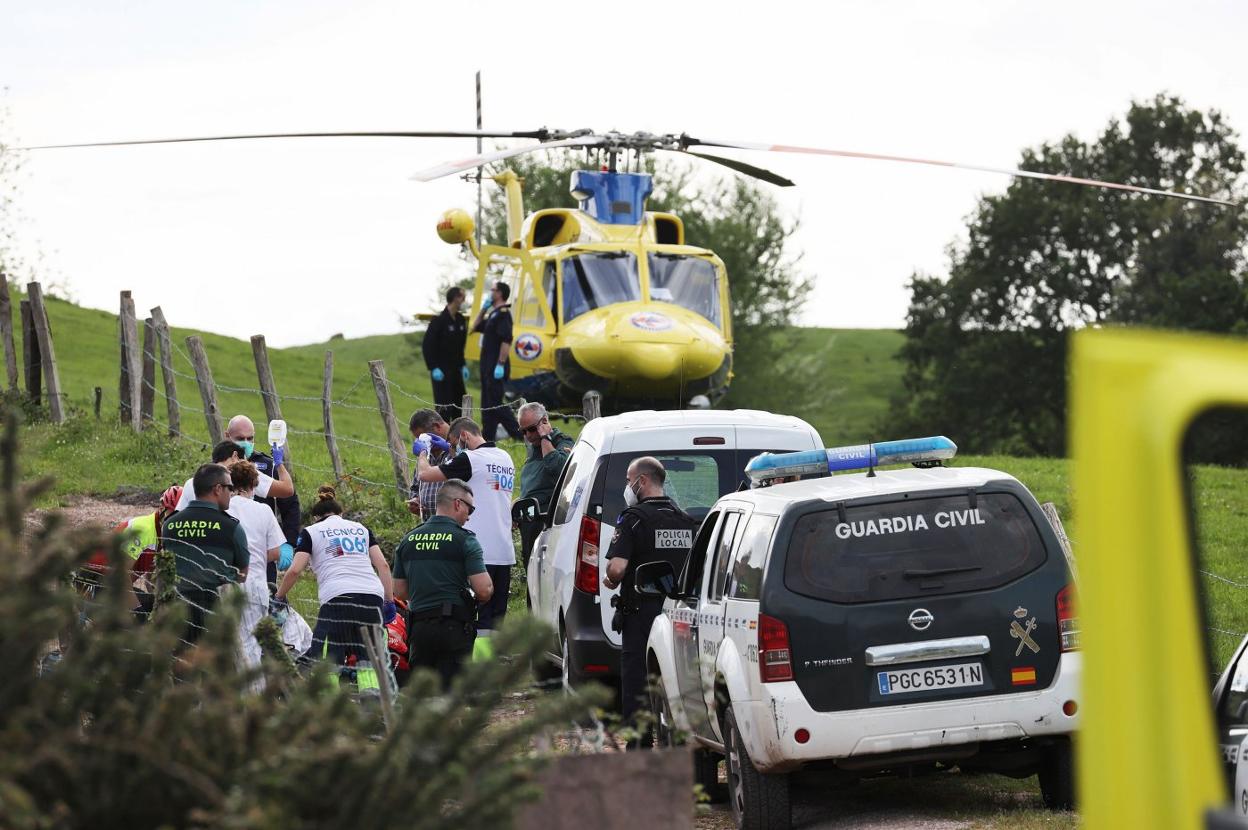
[[88, 510]]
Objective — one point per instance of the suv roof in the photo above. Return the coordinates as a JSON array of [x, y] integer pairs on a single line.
[[775, 499], [596, 431]]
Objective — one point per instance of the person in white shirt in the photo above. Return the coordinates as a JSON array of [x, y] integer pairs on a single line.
[[354, 586], [264, 541], [228, 453], [492, 475]]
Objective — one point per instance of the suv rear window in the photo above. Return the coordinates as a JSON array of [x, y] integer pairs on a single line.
[[912, 548], [696, 478]]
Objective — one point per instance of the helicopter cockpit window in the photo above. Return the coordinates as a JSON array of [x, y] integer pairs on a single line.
[[594, 280], [687, 281]]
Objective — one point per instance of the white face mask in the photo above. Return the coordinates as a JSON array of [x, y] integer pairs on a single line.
[[630, 496]]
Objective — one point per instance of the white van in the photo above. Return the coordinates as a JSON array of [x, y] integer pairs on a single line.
[[704, 452]]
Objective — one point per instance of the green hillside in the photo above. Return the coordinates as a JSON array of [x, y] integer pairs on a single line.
[[850, 375]]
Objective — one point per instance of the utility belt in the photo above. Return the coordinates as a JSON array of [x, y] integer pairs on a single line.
[[622, 609], [448, 611]]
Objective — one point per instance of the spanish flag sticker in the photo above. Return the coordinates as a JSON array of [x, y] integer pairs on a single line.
[[1025, 676]]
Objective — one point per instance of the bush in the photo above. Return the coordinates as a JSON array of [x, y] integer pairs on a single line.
[[130, 729]]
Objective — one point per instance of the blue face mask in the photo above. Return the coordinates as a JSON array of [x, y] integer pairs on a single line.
[[248, 447]]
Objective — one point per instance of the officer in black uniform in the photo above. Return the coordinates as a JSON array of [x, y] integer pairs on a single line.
[[495, 325], [442, 562], [443, 349], [651, 529]]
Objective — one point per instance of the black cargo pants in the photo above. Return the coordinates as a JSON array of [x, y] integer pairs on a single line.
[[443, 644], [634, 675]]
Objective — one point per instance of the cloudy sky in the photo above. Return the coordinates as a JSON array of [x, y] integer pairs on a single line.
[[304, 239]]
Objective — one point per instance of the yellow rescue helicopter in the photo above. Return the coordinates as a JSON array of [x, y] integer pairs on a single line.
[[608, 296], [605, 297]]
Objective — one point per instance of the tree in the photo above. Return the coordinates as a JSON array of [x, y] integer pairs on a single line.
[[737, 219], [985, 350]]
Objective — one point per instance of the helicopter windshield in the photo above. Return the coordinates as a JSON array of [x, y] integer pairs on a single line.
[[594, 280], [688, 281]]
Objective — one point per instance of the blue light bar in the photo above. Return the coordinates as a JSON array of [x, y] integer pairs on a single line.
[[857, 457]]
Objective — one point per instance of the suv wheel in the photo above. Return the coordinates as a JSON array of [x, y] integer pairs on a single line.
[[759, 801], [1057, 777]]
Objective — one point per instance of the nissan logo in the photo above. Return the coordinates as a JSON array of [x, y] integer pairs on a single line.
[[921, 619]]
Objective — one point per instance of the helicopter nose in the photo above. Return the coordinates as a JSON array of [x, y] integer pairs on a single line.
[[654, 361]]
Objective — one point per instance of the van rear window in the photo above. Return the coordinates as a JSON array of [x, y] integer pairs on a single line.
[[912, 548]]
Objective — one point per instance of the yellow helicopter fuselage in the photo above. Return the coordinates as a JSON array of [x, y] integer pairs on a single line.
[[627, 310]]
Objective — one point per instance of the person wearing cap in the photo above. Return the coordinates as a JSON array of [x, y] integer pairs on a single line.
[[494, 324]]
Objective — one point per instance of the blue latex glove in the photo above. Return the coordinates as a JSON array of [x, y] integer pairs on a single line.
[[498, 371], [286, 556], [438, 376], [463, 371], [389, 611], [279, 455], [438, 442], [420, 445], [279, 609]]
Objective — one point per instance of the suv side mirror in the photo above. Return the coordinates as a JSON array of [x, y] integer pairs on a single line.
[[526, 510], [656, 579]]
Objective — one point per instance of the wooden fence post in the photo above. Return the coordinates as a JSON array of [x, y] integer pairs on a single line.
[[207, 389], [6, 332], [99, 398], [30, 353], [147, 392], [165, 341], [131, 369], [47, 357], [592, 403], [398, 455], [268, 391], [331, 443], [465, 406]]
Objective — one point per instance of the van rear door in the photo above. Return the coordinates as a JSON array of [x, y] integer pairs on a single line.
[[918, 597]]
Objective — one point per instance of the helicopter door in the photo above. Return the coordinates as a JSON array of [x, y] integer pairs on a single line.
[[533, 346]]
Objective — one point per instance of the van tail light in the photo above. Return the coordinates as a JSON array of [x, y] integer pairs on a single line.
[[1067, 621], [587, 555], [775, 660]]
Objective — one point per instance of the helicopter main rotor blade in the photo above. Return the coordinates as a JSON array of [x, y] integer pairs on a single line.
[[538, 134], [745, 169], [452, 167], [1024, 174]]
